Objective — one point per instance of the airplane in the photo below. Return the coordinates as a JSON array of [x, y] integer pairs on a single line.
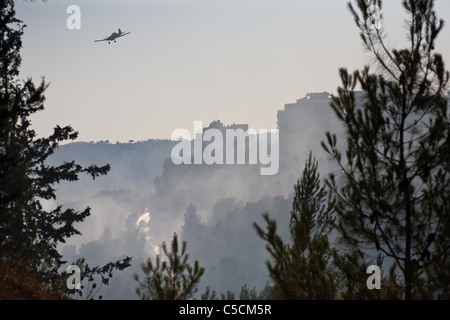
[[114, 36]]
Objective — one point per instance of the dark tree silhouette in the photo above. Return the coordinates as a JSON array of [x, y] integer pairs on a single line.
[[393, 189], [170, 278], [303, 268]]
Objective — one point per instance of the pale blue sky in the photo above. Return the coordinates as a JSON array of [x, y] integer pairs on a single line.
[[185, 60]]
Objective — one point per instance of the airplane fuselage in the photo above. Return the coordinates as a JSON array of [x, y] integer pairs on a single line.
[[113, 36]]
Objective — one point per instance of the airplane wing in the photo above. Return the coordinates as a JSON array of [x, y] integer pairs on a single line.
[[124, 33], [100, 40]]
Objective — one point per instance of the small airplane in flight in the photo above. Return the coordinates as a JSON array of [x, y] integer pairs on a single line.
[[114, 36]]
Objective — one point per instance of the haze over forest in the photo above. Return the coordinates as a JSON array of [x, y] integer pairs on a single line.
[[145, 198]]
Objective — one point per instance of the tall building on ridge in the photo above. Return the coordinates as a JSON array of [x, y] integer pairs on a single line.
[[302, 126]]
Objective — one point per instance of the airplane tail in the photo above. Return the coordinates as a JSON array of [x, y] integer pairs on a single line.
[[120, 31]]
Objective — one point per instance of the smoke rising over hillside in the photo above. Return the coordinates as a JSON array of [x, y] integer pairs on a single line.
[[146, 198]]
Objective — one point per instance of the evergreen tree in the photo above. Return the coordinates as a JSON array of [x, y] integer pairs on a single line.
[[27, 231], [392, 195], [212, 295], [192, 229], [251, 294], [170, 278], [303, 268], [89, 287]]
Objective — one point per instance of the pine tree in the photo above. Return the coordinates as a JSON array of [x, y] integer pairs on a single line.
[[27, 231], [392, 195], [303, 268], [250, 294], [170, 278]]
